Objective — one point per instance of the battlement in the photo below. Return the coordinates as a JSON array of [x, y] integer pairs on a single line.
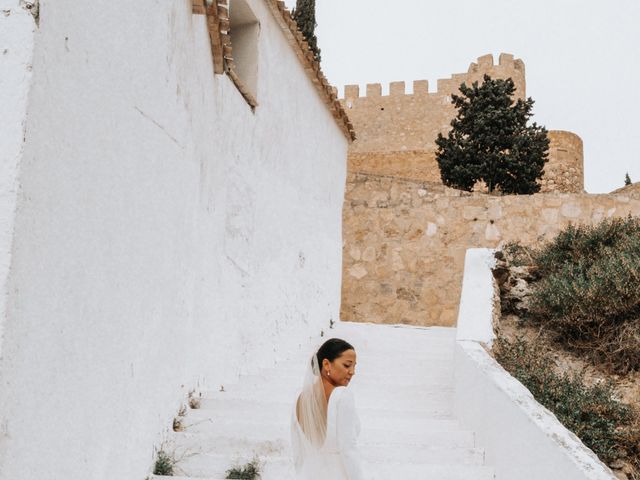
[[507, 67], [396, 132]]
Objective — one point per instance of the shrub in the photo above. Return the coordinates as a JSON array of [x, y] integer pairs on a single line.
[[250, 471], [593, 413], [491, 141], [517, 255], [164, 464], [589, 291]]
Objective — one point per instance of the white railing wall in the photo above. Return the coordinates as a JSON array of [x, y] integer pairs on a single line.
[[521, 438]]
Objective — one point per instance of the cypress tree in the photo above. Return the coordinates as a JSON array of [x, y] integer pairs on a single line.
[[305, 16], [491, 141], [627, 179]]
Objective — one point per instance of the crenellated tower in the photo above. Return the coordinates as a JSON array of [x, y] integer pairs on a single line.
[[396, 132]]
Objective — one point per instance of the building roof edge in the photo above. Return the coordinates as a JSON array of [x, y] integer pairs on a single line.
[[311, 66]]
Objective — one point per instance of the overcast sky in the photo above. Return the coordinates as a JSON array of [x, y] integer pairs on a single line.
[[581, 56]]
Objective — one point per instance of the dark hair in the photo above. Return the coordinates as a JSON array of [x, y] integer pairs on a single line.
[[332, 349]]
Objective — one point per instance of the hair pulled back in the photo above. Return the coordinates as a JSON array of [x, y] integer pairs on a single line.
[[332, 349]]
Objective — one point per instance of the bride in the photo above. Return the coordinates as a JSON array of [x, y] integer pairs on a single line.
[[324, 422]]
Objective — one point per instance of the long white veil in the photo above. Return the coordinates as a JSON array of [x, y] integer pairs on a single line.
[[311, 409]]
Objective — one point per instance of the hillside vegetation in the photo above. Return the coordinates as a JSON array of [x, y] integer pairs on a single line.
[[577, 298]]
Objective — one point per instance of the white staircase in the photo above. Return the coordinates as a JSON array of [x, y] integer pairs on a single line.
[[403, 389]]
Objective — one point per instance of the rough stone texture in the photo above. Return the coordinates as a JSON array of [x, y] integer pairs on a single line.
[[405, 241], [396, 133], [564, 172], [632, 190]]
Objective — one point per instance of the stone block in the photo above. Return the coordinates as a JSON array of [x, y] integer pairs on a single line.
[[550, 215], [358, 271], [570, 210], [420, 87], [492, 234], [396, 88], [374, 90], [351, 92], [474, 213], [369, 254]]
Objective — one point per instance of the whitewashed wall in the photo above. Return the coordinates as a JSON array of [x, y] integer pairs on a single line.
[[522, 439], [17, 28], [165, 236]]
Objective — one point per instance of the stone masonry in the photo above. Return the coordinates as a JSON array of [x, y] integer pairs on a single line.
[[405, 240], [396, 133], [405, 233]]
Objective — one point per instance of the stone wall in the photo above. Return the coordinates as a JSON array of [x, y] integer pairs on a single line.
[[405, 241], [632, 190], [563, 171], [396, 133], [401, 121]]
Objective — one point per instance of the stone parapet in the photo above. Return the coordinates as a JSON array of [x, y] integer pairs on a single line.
[[411, 121], [404, 241]]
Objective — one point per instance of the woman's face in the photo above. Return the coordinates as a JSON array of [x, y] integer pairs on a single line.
[[342, 369]]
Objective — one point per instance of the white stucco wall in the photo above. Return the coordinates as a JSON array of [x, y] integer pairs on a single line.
[[17, 28], [165, 236], [522, 439]]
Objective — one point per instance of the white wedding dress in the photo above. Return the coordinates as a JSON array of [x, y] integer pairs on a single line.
[[338, 458]]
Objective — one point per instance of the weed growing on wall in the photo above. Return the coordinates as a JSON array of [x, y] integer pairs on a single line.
[[178, 425], [194, 400], [610, 428], [250, 471], [164, 464]]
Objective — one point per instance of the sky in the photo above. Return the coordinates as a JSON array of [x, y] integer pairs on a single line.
[[582, 60]]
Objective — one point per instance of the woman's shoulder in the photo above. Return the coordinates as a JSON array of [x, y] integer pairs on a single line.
[[342, 392]]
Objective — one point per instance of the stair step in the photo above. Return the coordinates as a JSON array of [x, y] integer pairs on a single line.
[[371, 452], [365, 395], [255, 410], [403, 390], [372, 428], [261, 444], [215, 466]]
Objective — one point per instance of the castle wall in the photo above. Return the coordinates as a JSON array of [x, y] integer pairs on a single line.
[[162, 238], [396, 133], [405, 241]]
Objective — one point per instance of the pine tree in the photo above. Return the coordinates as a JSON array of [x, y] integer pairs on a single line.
[[305, 16], [627, 179], [490, 141]]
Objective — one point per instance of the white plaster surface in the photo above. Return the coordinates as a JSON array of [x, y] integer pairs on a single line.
[[407, 430], [17, 28], [521, 438], [475, 315], [165, 236]]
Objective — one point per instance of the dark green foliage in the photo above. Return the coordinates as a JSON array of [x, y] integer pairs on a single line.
[[490, 141], [250, 471], [305, 16], [164, 464], [589, 291], [517, 255], [627, 179], [593, 413]]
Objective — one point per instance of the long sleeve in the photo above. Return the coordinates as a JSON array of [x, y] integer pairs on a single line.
[[347, 435], [296, 448]]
